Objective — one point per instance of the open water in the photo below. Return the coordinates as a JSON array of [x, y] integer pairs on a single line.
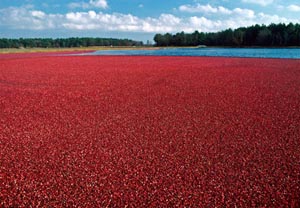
[[292, 53]]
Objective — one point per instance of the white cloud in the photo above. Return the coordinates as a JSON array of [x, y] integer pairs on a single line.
[[206, 9], [74, 5], [29, 18], [141, 5], [244, 13], [259, 2], [99, 3], [38, 14], [294, 8], [268, 19], [128, 22], [202, 23], [26, 18], [91, 4], [198, 8], [93, 21]]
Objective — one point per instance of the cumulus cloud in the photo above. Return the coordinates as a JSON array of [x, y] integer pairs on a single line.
[[268, 19], [91, 4], [206, 9], [294, 8], [198, 8], [29, 18], [93, 21], [38, 14], [99, 3], [120, 22], [244, 13], [259, 2], [203, 23]]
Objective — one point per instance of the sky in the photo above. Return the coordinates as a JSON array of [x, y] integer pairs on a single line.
[[137, 19]]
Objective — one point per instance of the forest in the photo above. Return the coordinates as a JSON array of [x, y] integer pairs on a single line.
[[273, 35], [65, 42]]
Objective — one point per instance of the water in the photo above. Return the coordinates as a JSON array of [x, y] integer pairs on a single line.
[[293, 53]]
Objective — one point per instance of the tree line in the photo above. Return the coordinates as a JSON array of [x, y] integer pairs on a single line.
[[65, 42], [273, 35]]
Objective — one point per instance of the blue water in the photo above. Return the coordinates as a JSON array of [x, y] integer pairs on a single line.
[[293, 53]]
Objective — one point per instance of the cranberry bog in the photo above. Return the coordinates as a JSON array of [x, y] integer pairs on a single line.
[[138, 131]]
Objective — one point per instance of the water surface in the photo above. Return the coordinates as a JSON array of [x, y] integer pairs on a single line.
[[293, 53]]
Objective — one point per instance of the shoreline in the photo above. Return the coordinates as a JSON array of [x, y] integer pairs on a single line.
[[15, 56], [100, 48], [74, 49]]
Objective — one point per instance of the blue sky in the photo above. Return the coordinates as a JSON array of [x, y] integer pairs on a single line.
[[137, 19]]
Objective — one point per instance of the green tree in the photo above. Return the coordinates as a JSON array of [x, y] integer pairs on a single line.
[[264, 37]]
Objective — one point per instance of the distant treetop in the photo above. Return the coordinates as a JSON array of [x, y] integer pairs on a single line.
[[65, 42], [274, 35]]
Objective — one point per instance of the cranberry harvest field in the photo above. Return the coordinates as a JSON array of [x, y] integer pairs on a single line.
[[141, 131]]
